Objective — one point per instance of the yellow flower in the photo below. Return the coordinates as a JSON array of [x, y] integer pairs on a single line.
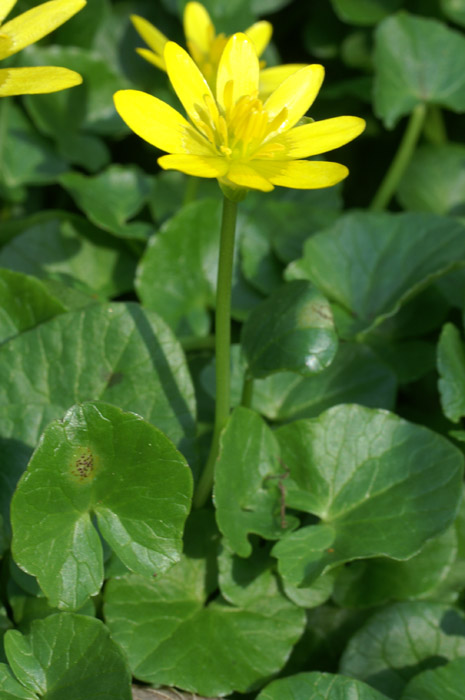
[[25, 30], [206, 47], [237, 138]]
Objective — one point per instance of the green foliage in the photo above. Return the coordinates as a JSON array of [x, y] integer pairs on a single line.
[[330, 561]]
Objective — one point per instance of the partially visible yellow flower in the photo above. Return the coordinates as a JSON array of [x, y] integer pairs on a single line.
[[25, 30], [236, 138], [206, 47]]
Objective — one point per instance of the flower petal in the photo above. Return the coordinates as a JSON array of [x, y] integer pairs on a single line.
[[320, 137], [239, 64], [301, 174], [188, 82], [5, 8], [271, 78], [152, 36], [199, 166], [296, 94], [152, 57], [246, 176], [158, 123], [41, 79], [260, 33], [36, 23], [198, 27]]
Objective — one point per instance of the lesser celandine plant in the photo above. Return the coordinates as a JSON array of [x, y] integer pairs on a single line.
[[336, 437], [24, 30], [246, 144]]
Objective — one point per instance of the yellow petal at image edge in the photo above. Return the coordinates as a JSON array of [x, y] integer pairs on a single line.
[[260, 33], [297, 93], [30, 81], [301, 174], [198, 26], [158, 123], [5, 8], [195, 165], [37, 22], [150, 34], [239, 64], [320, 137], [187, 80]]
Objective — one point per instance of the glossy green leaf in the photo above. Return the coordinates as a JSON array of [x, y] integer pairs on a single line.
[[177, 274], [291, 330], [451, 368], [377, 581], [318, 686], [242, 581], [98, 461], [24, 303], [400, 641], [259, 263], [435, 180], [68, 657], [356, 375], [417, 60], [445, 682], [10, 689], [311, 596], [172, 637], [26, 157], [111, 198], [116, 353], [67, 248], [364, 12], [454, 10], [249, 482], [352, 467], [352, 263]]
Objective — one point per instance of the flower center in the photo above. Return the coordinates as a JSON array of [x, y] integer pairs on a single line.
[[243, 130]]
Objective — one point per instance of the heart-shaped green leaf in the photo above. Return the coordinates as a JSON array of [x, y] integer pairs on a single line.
[[249, 483], [417, 60], [400, 641], [98, 461], [352, 263], [318, 686], [292, 330], [364, 12], [66, 657], [352, 467], [116, 353]]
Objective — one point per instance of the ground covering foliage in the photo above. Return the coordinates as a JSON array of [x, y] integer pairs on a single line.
[[330, 561]]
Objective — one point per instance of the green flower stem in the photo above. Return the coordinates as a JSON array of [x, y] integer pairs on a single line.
[[247, 391], [401, 159], [222, 344], [435, 128]]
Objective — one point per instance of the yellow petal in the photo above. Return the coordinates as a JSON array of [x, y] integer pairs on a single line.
[[188, 82], [158, 123], [247, 176], [260, 34], [239, 64], [30, 81], [195, 165], [320, 137], [301, 174], [36, 23], [153, 58], [271, 78], [5, 8], [198, 27], [150, 34], [296, 94]]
